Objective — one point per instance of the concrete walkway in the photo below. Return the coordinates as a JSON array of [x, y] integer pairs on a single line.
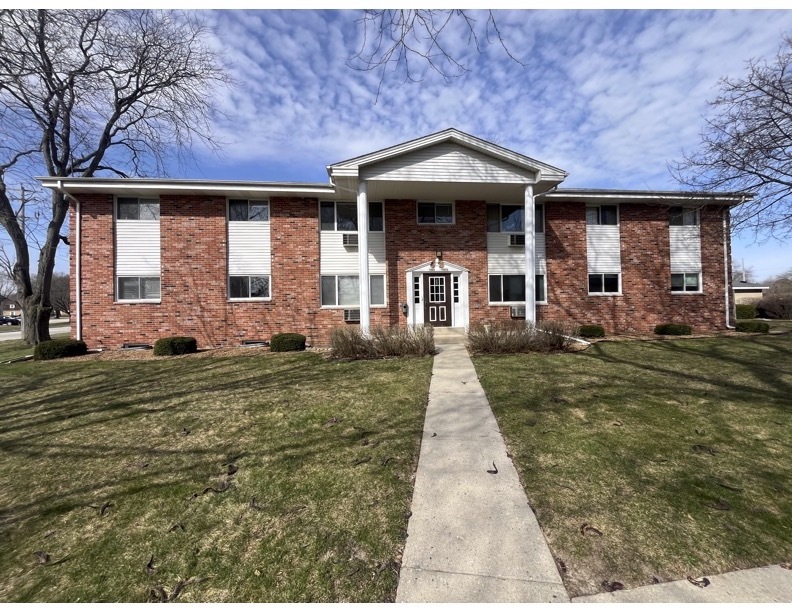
[[472, 535]]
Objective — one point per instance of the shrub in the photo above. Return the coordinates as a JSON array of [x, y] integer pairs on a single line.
[[175, 345], [775, 306], [502, 337], [350, 343], [746, 311], [672, 329], [60, 347], [283, 343], [752, 327], [591, 331]]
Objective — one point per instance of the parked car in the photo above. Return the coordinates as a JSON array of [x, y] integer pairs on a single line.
[[10, 321]]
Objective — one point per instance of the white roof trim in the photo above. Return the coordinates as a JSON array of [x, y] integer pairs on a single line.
[[675, 196], [447, 267], [544, 171], [89, 185]]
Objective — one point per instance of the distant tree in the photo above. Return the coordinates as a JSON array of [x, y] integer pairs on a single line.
[[90, 91], [60, 294], [747, 146]]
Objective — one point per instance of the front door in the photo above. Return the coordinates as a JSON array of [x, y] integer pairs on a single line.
[[437, 301]]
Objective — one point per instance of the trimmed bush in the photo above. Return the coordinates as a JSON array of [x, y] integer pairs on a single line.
[[752, 327], [746, 311], [284, 343], [58, 348], [591, 331], [175, 345], [350, 343], [504, 337], [673, 329]]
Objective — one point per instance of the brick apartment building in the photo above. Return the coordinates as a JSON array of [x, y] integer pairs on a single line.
[[449, 229]]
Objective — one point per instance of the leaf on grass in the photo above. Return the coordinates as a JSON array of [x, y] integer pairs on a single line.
[[184, 432], [42, 557], [586, 529], [700, 432], [720, 483], [701, 448], [331, 422], [150, 569], [530, 422], [385, 461], [295, 510], [721, 504], [232, 469], [655, 580], [253, 505], [390, 564], [175, 526], [786, 566], [617, 424], [361, 461], [494, 469], [434, 435], [562, 566], [612, 586], [105, 507], [699, 582], [408, 514]]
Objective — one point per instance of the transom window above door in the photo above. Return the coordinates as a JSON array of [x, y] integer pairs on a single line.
[[435, 213]]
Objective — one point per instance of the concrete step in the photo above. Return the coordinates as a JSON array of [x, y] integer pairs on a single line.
[[450, 335]]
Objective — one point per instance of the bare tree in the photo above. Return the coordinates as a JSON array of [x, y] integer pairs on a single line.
[[60, 294], [747, 146], [743, 273], [408, 40], [94, 91]]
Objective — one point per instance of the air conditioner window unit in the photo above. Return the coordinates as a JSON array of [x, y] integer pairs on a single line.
[[518, 312], [516, 240], [352, 315], [350, 239]]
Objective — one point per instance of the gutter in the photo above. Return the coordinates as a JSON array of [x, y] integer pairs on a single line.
[[726, 269], [77, 259]]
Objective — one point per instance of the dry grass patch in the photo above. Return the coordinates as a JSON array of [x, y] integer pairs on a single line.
[[676, 453], [249, 478]]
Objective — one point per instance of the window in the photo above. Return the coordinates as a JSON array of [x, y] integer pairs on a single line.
[[603, 283], [455, 280], [249, 287], [248, 210], [509, 218], [345, 290], [138, 209], [689, 281], [507, 288], [602, 215], [435, 213], [342, 217], [138, 288], [683, 216]]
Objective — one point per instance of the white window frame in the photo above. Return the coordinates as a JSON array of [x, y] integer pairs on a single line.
[[249, 299], [686, 210], [602, 274], [138, 300], [599, 215], [249, 201], [335, 204], [418, 216], [344, 306], [518, 302], [698, 291], [149, 200]]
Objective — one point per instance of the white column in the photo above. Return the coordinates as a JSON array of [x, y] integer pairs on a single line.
[[363, 221], [530, 273]]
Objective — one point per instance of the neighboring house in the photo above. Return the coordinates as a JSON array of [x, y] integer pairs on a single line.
[[10, 307], [448, 229], [748, 293]]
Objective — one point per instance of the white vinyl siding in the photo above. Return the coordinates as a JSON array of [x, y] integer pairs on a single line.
[[603, 248], [249, 248], [339, 259], [137, 248], [448, 162], [685, 244], [505, 259]]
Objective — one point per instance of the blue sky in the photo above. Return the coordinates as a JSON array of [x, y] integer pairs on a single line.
[[610, 96]]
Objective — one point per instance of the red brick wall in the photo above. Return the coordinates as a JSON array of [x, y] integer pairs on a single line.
[[646, 298], [194, 271]]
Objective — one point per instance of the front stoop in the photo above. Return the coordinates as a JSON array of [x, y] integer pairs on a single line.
[[450, 335]]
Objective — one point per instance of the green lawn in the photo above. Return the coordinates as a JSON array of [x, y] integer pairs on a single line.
[[678, 452], [318, 458]]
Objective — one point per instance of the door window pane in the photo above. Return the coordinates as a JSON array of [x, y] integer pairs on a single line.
[[513, 288], [512, 219], [329, 291], [327, 216], [376, 219]]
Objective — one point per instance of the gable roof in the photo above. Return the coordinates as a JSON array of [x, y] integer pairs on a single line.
[[544, 171]]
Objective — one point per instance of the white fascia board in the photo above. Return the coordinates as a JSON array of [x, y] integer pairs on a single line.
[[99, 185], [544, 171], [620, 196]]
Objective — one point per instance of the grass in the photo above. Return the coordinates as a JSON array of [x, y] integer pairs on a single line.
[[325, 454], [677, 452]]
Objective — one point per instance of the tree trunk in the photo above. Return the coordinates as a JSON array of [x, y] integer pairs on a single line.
[[35, 319]]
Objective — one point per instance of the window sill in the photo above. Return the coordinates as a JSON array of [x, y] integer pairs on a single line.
[[137, 302], [537, 303], [380, 307], [606, 294], [243, 300], [435, 224], [687, 293]]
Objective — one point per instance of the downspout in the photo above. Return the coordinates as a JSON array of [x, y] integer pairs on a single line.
[[77, 260], [726, 269]]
